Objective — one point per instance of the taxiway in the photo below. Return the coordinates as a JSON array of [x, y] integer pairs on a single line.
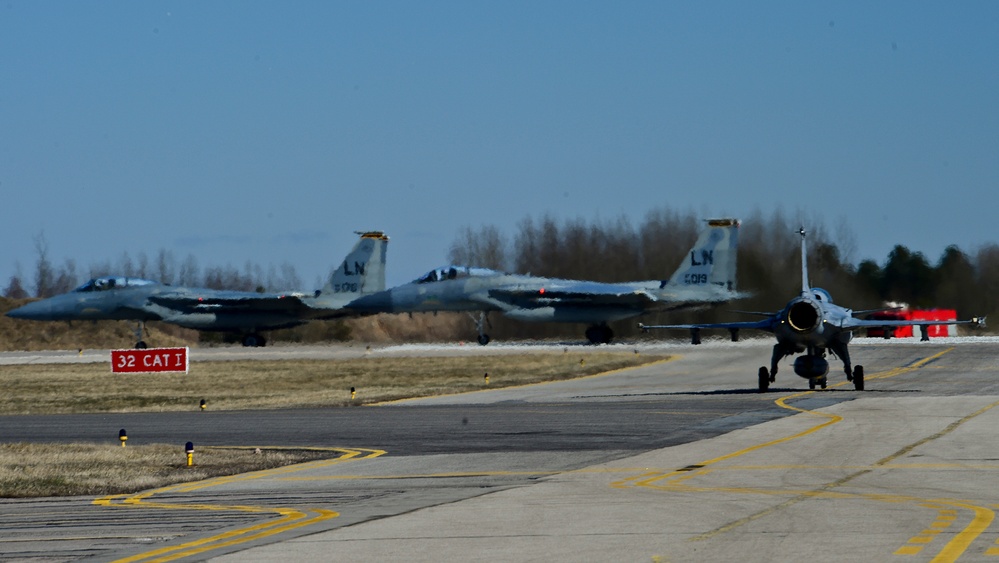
[[681, 461]]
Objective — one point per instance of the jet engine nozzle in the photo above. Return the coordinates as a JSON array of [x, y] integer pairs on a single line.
[[804, 315]]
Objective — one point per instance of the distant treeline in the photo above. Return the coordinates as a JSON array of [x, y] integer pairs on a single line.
[[769, 265], [50, 279]]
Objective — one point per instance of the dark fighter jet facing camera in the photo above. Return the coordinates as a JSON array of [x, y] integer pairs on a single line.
[[812, 324], [242, 312]]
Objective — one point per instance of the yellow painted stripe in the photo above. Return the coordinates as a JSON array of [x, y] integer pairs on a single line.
[[196, 549], [782, 402], [291, 518], [951, 551], [911, 367], [962, 540], [457, 474]]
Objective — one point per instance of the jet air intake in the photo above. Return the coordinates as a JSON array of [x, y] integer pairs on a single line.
[[804, 315]]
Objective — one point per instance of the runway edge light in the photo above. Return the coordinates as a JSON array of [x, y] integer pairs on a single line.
[[189, 450], [122, 435]]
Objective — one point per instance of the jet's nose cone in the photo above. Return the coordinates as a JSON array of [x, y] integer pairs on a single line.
[[37, 311]]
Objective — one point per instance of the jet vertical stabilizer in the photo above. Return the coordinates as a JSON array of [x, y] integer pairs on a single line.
[[362, 272], [712, 259], [805, 289]]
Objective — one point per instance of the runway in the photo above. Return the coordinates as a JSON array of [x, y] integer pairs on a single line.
[[680, 461]]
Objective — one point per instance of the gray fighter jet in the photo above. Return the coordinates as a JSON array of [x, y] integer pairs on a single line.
[[706, 277], [245, 313], [813, 324]]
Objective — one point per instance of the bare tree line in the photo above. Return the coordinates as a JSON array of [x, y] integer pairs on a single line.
[[50, 279]]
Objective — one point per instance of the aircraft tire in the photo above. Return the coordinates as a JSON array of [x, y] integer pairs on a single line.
[[483, 339], [141, 345], [254, 341], [764, 378], [606, 334], [599, 334], [858, 378], [811, 383], [822, 381]]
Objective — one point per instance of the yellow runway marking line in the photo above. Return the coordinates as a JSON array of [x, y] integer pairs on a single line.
[[694, 470], [459, 474], [911, 367], [526, 385], [290, 518], [463, 474], [697, 413], [676, 480]]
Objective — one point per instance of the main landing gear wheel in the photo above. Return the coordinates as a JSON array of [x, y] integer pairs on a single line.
[[254, 341], [480, 326], [858, 378], [140, 344], [599, 334], [764, 380], [817, 382]]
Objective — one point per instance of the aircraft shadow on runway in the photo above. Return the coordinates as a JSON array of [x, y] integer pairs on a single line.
[[771, 391]]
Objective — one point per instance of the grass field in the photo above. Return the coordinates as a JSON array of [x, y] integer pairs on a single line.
[[43, 470], [89, 388], [29, 470]]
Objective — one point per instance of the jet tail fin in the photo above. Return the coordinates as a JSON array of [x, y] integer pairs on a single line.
[[712, 259], [361, 272]]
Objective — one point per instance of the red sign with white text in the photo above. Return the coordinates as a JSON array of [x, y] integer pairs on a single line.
[[149, 360]]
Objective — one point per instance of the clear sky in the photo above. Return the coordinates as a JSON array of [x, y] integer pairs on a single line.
[[270, 131]]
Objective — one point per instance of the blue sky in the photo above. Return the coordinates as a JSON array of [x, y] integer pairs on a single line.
[[270, 131]]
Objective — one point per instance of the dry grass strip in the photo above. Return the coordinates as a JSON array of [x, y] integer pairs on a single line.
[[90, 388], [44, 470]]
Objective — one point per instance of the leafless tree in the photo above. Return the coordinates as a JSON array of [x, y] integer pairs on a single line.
[[44, 275]]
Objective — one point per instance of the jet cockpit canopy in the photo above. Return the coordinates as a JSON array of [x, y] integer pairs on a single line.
[[454, 272], [821, 295], [112, 282]]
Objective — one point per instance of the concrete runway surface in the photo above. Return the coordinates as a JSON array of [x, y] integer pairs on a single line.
[[678, 461]]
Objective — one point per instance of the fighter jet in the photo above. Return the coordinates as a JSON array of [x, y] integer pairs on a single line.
[[706, 277], [245, 313], [812, 324]]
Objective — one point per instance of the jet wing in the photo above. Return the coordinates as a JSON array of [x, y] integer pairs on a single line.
[[765, 324], [854, 322], [234, 303], [592, 297]]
